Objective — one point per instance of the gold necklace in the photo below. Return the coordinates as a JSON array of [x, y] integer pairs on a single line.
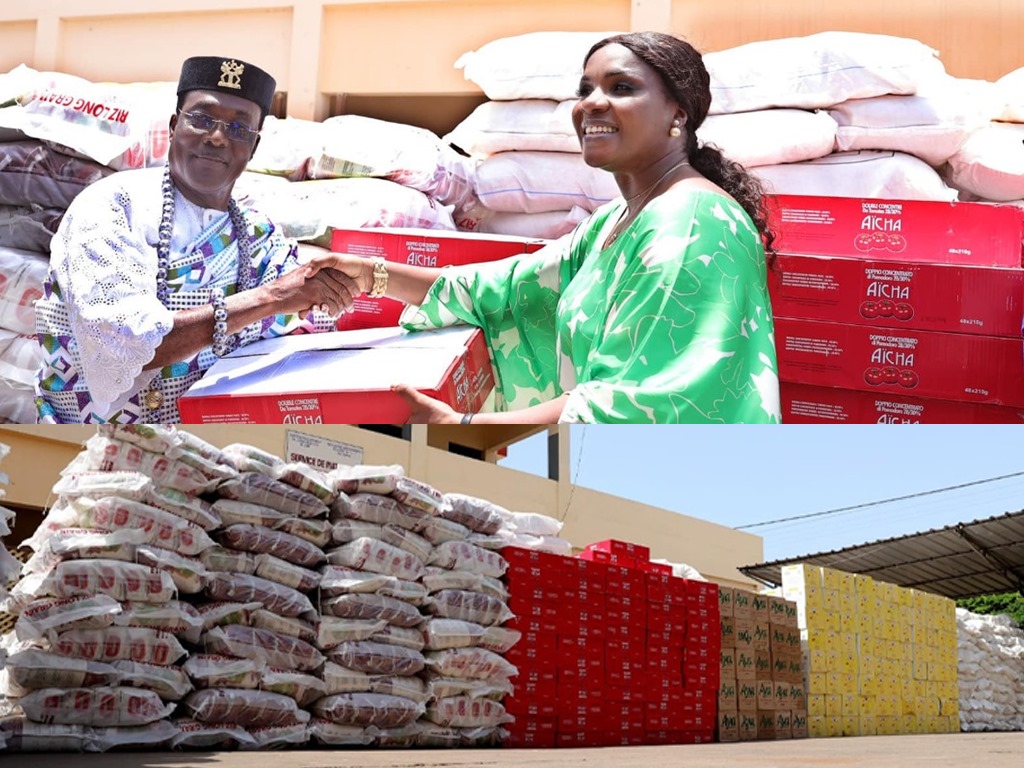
[[624, 220]]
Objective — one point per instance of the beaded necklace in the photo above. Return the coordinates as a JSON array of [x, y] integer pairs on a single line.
[[246, 277], [153, 398]]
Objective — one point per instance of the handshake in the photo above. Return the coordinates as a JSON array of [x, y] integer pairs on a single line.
[[336, 280]]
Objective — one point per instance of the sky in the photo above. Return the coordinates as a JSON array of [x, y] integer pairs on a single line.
[[738, 476]]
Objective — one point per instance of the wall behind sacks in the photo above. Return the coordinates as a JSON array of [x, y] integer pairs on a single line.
[[393, 59], [976, 39]]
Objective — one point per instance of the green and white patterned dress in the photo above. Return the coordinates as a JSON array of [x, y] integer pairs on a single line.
[[670, 324]]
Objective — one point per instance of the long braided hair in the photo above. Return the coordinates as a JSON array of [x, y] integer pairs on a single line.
[[682, 70]]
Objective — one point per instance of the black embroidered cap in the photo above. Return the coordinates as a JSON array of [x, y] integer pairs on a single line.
[[213, 73]]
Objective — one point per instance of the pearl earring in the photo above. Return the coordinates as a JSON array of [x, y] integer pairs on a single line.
[[675, 131]]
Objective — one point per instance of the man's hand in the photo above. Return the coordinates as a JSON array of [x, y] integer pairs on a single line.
[[306, 288], [356, 268], [426, 410]]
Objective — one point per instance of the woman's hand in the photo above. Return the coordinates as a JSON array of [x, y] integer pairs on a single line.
[[425, 409], [303, 289], [355, 268]]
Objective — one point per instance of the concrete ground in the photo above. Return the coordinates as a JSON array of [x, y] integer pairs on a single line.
[[985, 750]]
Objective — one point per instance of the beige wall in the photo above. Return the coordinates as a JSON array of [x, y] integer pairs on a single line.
[[393, 59], [38, 453]]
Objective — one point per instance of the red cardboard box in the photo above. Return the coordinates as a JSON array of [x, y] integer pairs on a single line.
[[611, 558], [533, 739], [530, 708], [978, 234], [579, 571], [945, 366], [421, 247], [806, 404], [341, 378], [931, 297], [516, 556], [616, 547], [661, 569], [527, 608]]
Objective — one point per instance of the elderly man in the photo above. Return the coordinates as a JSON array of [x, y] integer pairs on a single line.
[[157, 272]]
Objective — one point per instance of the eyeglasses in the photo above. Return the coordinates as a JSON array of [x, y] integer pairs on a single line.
[[202, 122]]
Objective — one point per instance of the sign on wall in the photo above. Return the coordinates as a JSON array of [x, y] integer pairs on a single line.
[[321, 452]]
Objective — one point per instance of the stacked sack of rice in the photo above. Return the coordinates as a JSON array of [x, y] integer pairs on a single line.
[[990, 165], [10, 566], [97, 647], [58, 134], [370, 596], [991, 672], [834, 113], [186, 596], [351, 172], [257, 671], [467, 673]]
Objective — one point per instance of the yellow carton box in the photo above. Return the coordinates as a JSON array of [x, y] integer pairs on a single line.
[[831, 579], [833, 705], [868, 725], [817, 727], [816, 704]]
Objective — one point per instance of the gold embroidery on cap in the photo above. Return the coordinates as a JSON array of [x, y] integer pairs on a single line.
[[231, 74]]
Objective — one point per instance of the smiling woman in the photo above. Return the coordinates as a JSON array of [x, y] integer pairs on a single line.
[[654, 309], [155, 273]]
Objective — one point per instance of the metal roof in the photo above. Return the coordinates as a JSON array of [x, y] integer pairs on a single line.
[[963, 560]]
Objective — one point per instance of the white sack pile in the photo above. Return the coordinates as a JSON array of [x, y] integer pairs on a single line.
[[991, 672], [784, 108]]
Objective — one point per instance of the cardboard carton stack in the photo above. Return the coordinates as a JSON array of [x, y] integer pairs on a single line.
[[761, 695], [881, 659], [615, 650], [897, 311]]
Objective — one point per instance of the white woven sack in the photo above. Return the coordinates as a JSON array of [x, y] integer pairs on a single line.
[[28, 227], [119, 125], [356, 146], [525, 124], [535, 182], [549, 225], [307, 210], [537, 65], [817, 70], [287, 147], [859, 173], [932, 124], [1011, 90], [990, 164], [20, 357], [770, 136], [21, 282], [17, 404]]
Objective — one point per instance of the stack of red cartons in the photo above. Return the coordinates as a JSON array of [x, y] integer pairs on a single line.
[[761, 695], [897, 311], [534, 598], [615, 650]]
